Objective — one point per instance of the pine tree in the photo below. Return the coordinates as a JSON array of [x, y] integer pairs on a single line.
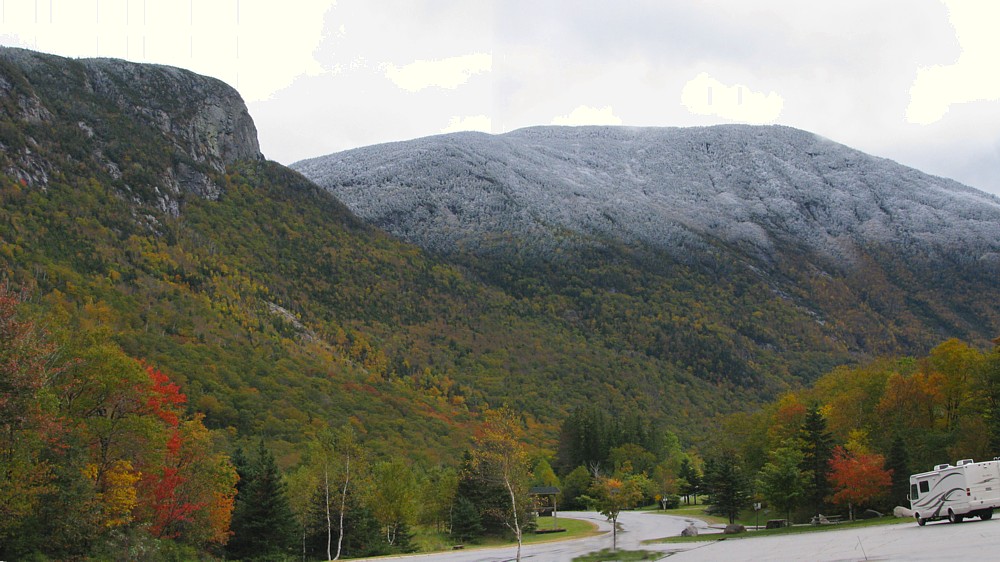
[[991, 392], [263, 526], [817, 452], [466, 524], [727, 485], [898, 462], [690, 480]]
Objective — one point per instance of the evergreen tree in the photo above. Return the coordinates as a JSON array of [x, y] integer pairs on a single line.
[[404, 540], [466, 524], [898, 462], [584, 439], [690, 484], [363, 534], [472, 491], [727, 485], [990, 388], [817, 452], [263, 526]]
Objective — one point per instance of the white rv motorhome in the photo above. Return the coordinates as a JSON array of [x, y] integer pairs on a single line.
[[968, 489]]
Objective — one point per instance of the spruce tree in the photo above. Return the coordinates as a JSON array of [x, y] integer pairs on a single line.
[[898, 461], [727, 485], [690, 480], [817, 452], [466, 524], [263, 526]]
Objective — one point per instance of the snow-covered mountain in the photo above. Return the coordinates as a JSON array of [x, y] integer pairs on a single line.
[[684, 190]]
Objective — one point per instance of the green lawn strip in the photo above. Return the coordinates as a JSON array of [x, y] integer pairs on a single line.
[[796, 529], [694, 512], [432, 541], [607, 555], [575, 528]]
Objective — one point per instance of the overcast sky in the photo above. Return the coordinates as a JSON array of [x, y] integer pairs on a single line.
[[917, 81]]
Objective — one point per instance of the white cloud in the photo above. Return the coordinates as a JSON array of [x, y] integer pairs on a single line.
[[481, 123], [258, 46], [448, 73], [705, 95], [587, 115], [973, 77]]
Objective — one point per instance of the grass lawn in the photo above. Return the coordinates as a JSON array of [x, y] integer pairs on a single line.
[[575, 528], [429, 540], [697, 511], [607, 555]]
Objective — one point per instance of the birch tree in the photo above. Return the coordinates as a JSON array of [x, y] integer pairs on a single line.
[[500, 458]]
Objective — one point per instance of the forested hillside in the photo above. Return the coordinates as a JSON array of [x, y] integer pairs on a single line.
[[191, 332], [152, 216], [754, 255]]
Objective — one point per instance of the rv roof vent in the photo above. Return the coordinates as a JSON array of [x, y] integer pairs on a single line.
[[964, 462], [942, 466]]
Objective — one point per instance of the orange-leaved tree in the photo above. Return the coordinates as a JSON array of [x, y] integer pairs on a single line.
[[612, 494], [858, 478]]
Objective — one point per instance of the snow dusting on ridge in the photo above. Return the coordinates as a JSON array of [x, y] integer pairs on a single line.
[[680, 189]]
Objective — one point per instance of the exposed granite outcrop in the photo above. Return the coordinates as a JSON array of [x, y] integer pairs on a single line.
[[204, 119]]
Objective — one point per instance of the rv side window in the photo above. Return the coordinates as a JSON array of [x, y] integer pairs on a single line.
[[913, 492], [924, 487]]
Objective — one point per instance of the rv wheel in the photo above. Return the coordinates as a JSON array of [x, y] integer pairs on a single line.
[[986, 514], [921, 521], [954, 518]]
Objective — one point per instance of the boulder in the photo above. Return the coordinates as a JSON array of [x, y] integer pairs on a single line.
[[900, 511], [690, 531], [734, 529]]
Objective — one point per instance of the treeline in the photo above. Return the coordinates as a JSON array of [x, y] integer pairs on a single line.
[[852, 440]]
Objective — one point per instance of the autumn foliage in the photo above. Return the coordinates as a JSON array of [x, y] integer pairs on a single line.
[[858, 478], [95, 445]]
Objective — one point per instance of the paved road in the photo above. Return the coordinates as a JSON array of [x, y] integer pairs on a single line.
[[634, 527], [972, 540]]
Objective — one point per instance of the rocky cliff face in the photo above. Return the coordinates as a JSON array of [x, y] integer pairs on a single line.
[[204, 121], [206, 118]]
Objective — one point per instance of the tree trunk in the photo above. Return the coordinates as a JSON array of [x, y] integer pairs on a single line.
[[329, 522], [614, 533], [513, 507], [343, 506]]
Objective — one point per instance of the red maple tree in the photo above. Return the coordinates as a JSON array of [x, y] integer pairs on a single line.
[[858, 478]]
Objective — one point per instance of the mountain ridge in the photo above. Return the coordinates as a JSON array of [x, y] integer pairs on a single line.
[[276, 308], [656, 184], [834, 231]]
